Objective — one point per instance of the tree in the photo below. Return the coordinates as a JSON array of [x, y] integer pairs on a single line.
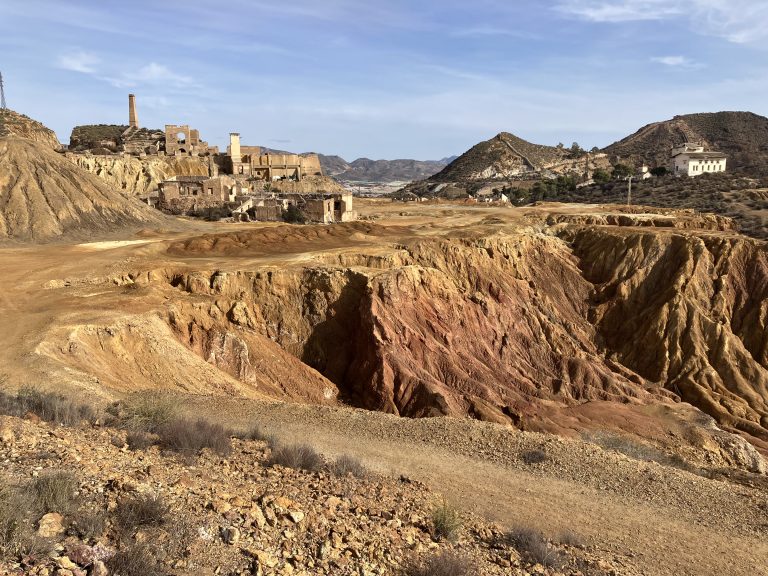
[[576, 150], [601, 176], [621, 171], [293, 215], [595, 150], [659, 171]]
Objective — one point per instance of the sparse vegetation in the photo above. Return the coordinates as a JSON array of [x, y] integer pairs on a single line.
[[142, 510], [89, 523], [294, 215], [147, 411], [536, 456], [54, 491], [446, 522], [138, 440], [138, 560], [345, 465], [191, 436], [571, 538], [535, 548], [446, 563], [46, 406], [15, 529], [299, 456]]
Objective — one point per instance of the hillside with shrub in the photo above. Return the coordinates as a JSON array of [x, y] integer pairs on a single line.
[[743, 136]]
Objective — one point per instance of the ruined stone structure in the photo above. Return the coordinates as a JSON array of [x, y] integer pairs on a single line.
[[248, 161], [180, 140], [184, 194]]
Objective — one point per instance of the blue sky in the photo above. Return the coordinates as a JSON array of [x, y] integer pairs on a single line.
[[385, 79]]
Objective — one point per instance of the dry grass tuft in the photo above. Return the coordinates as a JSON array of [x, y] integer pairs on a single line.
[[447, 563], [298, 456], [446, 522]]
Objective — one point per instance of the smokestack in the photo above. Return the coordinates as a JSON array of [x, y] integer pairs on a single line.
[[234, 147], [133, 119]]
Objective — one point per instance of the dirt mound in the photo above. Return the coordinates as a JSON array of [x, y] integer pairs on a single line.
[[741, 135], [15, 124], [282, 239], [43, 196]]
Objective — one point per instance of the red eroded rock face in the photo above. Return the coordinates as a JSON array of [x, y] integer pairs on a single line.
[[509, 327]]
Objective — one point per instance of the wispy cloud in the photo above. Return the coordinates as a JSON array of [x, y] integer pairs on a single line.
[[151, 74], [620, 10], [83, 62], [677, 62], [739, 21], [490, 31]]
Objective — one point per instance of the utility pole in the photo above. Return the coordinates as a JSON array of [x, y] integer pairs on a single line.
[[3, 105], [629, 192]]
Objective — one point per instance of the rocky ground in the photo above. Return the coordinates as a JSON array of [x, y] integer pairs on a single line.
[[235, 514]]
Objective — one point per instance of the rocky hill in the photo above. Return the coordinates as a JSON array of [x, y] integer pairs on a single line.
[[500, 161], [139, 176], [43, 196], [743, 136], [15, 124]]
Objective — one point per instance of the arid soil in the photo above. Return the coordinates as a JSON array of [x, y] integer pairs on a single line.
[[44, 197], [579, 320]]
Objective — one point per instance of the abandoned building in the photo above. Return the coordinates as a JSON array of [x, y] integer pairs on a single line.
[[690, 159], [250, 162], [186, 194], [321, 208]]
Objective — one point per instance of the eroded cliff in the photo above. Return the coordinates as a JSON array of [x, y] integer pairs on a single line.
[[140, 176]]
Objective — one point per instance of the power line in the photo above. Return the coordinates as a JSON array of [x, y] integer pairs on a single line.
[[3, 105]]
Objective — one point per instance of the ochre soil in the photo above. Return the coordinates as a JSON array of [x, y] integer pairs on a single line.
[[555, 318]]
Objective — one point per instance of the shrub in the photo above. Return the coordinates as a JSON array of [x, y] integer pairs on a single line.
[[138, 440], [14, 529], [534, 456], [447, 563], [293, 215], [149, 411], [571, 538], [189, 437], [47, 406], [88, 523], [535, 548], [299, 456], [141, 511], [138, 560], [446, 522], [54, 492], [255, 432], [345, 465]]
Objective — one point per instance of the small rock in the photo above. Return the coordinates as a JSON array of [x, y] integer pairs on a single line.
[[65, 563], [296, 515], [99, 569], [50, 525], [231, 535]]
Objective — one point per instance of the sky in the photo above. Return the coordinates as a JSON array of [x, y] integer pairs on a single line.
[[389, 79]]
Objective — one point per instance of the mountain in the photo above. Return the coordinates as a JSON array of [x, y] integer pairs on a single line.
[[500, 160], [380, 171], [43, 196], [743, 136]]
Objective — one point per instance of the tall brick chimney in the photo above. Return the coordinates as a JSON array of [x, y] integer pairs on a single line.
[[133, 119]]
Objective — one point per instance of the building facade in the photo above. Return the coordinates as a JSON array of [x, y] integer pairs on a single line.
[[693, 160]]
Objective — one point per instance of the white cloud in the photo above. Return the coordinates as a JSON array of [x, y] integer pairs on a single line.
[[151, 74], [677, 62], [620, 10], [83, 62], [739, 21]]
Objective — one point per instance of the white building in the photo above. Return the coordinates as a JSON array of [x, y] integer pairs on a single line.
[[692, 160]]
